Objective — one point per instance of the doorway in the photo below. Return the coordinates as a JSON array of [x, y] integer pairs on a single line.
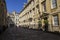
[[46, 23]]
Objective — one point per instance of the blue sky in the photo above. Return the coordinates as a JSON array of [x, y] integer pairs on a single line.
[[15, 5]]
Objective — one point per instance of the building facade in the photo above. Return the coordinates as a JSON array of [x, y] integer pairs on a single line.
[[13, 19], [29, 16], [10, 19], [41, 14], [17, 19], [3, 14], [50, 15]]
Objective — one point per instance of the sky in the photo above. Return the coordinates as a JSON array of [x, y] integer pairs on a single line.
[[15, 5]]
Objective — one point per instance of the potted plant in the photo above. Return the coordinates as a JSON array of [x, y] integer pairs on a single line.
[[39, 24], [46, 22], [46, 25]]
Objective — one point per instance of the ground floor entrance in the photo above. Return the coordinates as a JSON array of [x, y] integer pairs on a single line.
[[46, 23]]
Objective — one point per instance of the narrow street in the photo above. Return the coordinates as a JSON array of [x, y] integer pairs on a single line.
[[26, 34]]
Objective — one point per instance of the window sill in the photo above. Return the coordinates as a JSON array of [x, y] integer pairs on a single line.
[[53, 8], [55, 26]]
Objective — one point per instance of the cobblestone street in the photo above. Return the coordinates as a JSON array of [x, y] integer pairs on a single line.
[[27, 34]]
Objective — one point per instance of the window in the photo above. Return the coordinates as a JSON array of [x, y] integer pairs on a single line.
[[38, 8], [44, 6], [53, 4], [30, 19], [33, 9], [55, 20], [30, 11]]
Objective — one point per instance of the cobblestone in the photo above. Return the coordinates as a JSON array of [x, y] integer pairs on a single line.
[[26, 34]]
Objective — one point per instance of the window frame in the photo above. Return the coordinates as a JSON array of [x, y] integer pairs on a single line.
[[44, 6], [55, 20], [53, 4]]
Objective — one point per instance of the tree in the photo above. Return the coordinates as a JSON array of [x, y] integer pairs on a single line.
[[46, 21]]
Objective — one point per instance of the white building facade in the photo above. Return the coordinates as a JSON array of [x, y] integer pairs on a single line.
[[13, 19]]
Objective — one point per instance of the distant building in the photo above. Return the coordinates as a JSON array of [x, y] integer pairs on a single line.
[[17, 20], [13, 19], [10, 20]]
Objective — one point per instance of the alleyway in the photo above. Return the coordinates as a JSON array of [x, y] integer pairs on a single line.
[[26, 34]]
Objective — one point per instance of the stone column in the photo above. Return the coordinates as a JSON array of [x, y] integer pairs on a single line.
[[50, 28], [59, 20]]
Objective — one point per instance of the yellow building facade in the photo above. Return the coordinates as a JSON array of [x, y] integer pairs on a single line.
[[45, 11], [50, 15], [30, 14]]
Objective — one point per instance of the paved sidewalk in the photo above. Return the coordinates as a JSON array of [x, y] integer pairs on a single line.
[[26, 34]]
